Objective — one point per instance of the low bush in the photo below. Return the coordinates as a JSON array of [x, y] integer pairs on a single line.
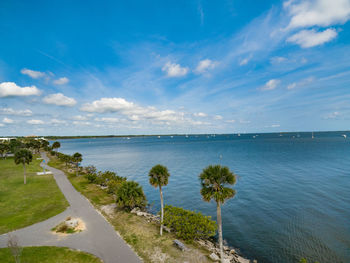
[[130, 195], [91, 177], [112, 186], [189, 225]]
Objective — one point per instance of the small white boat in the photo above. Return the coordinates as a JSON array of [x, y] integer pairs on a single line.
[[312, 135], [238, 134], [128, 138], [171, 136], [344, 135], [158, 137]]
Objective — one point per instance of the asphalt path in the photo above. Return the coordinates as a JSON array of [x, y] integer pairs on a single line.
[[99, 238]]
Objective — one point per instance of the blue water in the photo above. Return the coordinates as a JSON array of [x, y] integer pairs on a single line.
[[293, 192]]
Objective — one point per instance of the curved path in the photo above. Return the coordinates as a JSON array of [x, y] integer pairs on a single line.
[[99, 238]]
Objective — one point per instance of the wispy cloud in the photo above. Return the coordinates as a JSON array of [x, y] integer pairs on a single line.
[[60, 100], [312, 38], [33, 73], [61, 81], [175, 70], [271, 84], [10, 111], [205, 65]]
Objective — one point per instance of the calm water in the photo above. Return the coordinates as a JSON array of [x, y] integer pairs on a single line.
[[293, 194]]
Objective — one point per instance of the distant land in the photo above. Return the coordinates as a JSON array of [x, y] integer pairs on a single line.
[[54, 137]]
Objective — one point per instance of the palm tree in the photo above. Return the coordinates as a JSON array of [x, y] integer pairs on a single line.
[[130, 195], [158, 177], [214, 179], [56, 145], [24, 157], [77, 158]]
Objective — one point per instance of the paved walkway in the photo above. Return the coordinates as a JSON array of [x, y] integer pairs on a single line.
[[99, 238]]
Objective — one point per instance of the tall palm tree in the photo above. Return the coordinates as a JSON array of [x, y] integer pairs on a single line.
[[214, 179], [24, 157], [158, 177], [77, 158]]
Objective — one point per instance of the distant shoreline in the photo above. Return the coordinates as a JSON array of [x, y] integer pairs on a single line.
[[53, 137]]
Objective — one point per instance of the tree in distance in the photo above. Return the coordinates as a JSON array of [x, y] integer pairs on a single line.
[[158, 177], [77, 158], [214, 179], [24, 157]]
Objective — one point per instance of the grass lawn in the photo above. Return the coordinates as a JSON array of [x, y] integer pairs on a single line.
[[49, 255], [142, 235], [23, 205]]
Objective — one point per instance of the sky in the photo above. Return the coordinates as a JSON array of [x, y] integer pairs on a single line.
[[161, 67]]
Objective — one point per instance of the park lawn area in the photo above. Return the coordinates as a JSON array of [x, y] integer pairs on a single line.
[[49, 255], [141, 235], [23, 205]]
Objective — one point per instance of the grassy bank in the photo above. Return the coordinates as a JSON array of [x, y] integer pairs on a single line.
[[49, 255], [142, 235], [23, 205]]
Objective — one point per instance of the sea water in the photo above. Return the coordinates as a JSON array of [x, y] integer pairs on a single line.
[[292, 192]]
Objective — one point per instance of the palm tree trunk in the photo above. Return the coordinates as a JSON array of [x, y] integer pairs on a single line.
[[24, 173], [77, 169], [162, 210], [218, 213]]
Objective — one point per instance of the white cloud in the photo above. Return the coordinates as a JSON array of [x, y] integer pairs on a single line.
[[277, 60], [60, 100], [134, 112], [332, 115], [292, 85], [108, 105], [33, 74], [174, 70], [244, 61], [230, 121], [275, 125], [2, 125], [311, 38], [80, 118], [205, 65], [81, 123], [218, 117], [57, 122], [10, 111], [271, 84], [200, 114], [61, 81], [244, 121], [8, 121], [35, 122], [107, 119], [318, 12], [9, 89]]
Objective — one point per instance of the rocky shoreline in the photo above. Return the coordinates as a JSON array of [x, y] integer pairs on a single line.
[[230, 254]]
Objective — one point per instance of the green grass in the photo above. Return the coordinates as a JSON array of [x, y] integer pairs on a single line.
[[49, 255], [23, 205]]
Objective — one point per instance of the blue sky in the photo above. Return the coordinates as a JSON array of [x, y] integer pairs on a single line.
[[146, 67]]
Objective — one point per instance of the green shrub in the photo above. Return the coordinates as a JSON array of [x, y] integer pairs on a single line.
[[130, 195], [112, 186], [189, 225], [91, 177]]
